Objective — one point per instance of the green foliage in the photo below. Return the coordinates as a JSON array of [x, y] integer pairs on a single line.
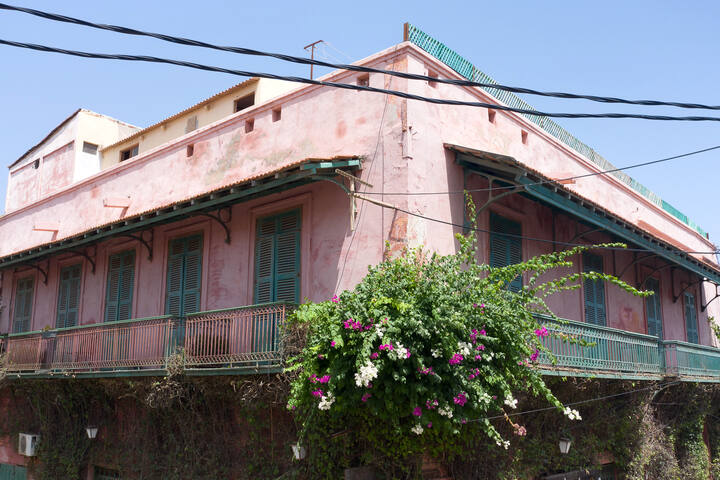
[[423, 347]]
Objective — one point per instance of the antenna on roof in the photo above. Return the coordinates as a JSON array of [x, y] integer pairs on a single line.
[[312, 54]]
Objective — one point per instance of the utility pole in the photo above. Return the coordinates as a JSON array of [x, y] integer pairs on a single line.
[[312, 54]]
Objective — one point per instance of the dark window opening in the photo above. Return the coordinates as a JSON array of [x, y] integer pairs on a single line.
[[430, 82], [129, 153], [90, 148], [190, 150], [36, 164], [249, 125], [245, 102], [276, 114], [363, 80]]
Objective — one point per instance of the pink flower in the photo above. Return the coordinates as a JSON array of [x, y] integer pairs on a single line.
[[320, 356], [483, 332], [456, 359], [463, 421], [480, 347], [475, 305], [387, 346], [318, 393], [417, 411], [369, 385], [494, 397], [520, 430], [313, 378], [534, 355], [431, 404], [366, 396], [374, 355], [460, 399], [542, 332], [430, 425], [324, 379], [332, 344], [407, 354], [478, 357], [335, 299]]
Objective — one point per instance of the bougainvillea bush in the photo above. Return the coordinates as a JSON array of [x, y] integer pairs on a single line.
[[426, 346]]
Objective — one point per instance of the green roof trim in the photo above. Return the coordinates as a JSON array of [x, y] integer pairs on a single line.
[[466, 69]]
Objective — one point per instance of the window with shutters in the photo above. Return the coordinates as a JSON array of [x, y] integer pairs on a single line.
[[184, 275], [691, 327], [119, 291], [652, 308], [69, 296], [277, 258], [22, 314], [506, 245], [594, 291]]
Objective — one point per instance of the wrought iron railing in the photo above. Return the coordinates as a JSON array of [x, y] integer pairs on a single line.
[[239, 338], [588, 348], [691, 360]]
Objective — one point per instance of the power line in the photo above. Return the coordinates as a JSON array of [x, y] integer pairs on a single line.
[[545, 182], [580, 402], [396, 93], [356, 68], [522, 237]]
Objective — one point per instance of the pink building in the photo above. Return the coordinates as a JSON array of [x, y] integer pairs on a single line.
[[121, 244]]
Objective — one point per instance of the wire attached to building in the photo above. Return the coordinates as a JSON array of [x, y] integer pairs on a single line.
[[396, 93], [545, 182], [356, 68]]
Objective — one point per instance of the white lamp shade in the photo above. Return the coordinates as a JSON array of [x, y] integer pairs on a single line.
[[565, 445], [298, 452], [91, 432]]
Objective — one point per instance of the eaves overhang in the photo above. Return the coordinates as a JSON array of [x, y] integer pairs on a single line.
[[289, 176], [555, 194]]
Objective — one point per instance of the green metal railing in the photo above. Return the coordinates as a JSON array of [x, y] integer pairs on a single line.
[[247, 337], [699, 362], [583, 348]]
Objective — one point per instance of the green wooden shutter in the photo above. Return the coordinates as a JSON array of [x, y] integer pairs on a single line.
[[506, 249], [184, 275], [121, 277], [652, 307], [277, 258], [594, 291], [12, 472], [68, 296], [691, 318], [23, 304], [106, 474]]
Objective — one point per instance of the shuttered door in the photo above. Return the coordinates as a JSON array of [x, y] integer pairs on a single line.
[[691, 318], [277, 258], [505, 249], [652, 307], [22, 315], [594, 291], [106, 474], [184, 276], [68, 296], [121, 277]]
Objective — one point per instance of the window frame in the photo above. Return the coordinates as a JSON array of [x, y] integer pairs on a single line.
[[586, 260], [16, 280], [658, 297], [108, 270], [132, 152], [686, 296], [520, 242]]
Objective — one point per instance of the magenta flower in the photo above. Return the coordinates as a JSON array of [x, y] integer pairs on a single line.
[[324, 379], [317, 393], [407, 354], [320, 356], [534, 355], [431, 404], [366, 397], [374, 355], [480, 347], [456, 359], [335, 299], [542, 332], [417, 411], [475, 305], [332, 344], [430, 425], [460, 399], [478, 357], [387, 346], [483, 332]]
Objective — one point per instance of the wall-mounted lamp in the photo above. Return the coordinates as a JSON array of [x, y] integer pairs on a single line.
[[565, 445], [91, 432]]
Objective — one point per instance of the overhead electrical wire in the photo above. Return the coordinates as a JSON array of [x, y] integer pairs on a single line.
[[396, 93], [545, 182], [356, 68]]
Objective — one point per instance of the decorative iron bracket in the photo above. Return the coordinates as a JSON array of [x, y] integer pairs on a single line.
[[677, 297], [635, 260], [515, 188], [37, 267], [717, 295], [658, 269], [87, 257], [223, 222], [582, 234], [141, 238]]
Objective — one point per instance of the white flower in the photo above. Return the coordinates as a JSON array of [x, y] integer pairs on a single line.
[[379, 330], [417, 429], [446, 411], [485, 398], [464, 348], [572, 414], [511, 402], [326, 401], [502, 443], [367, 373], [436, 353], [398, 352]]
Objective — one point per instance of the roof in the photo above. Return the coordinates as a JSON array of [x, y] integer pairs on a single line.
[[56, 129], [137, 134], [470, 72], [643, 236], [304, 170]]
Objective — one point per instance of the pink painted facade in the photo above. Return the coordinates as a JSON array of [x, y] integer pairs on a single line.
[[403, 147]]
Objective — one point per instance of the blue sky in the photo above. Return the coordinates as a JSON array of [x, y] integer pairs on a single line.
[[641, 49]]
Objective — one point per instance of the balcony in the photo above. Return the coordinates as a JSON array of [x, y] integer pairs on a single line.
[[586, 350], [236, 340]]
